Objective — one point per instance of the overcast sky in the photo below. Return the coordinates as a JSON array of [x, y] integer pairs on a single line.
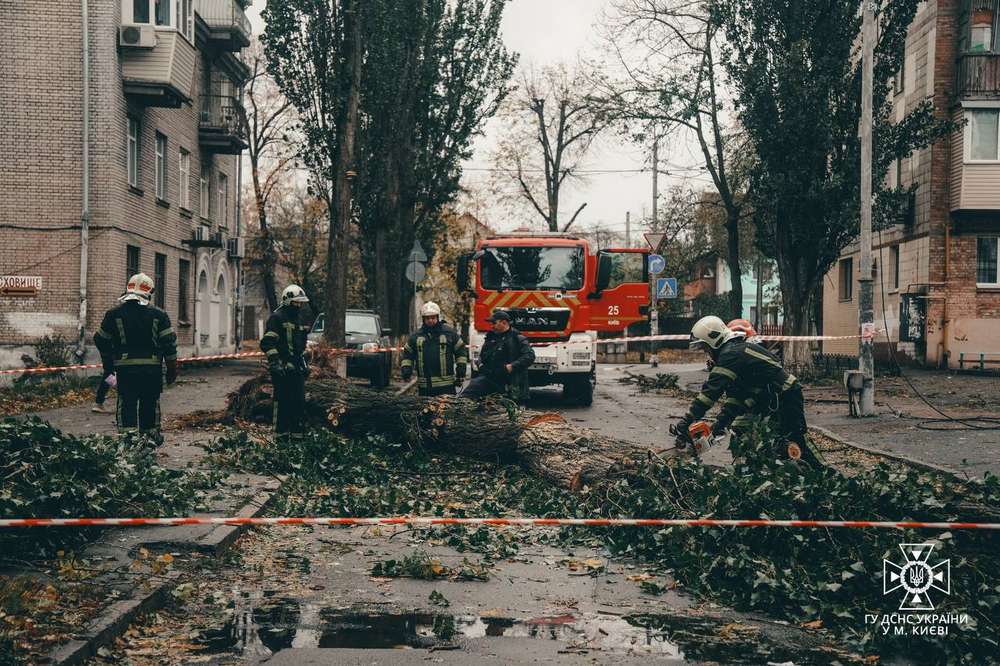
[[547, 32]]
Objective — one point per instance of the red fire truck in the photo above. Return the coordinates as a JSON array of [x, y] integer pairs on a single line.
[[559, 295]]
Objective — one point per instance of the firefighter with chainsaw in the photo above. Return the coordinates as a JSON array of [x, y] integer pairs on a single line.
[[136, 339], [753, 383], [284, 344], [437, 352]]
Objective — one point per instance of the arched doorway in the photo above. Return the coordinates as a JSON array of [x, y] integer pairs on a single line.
[[203, 317], [222, 305]]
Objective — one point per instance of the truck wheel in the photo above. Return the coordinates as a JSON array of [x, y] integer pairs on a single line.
[[579, 390], [586, 395]]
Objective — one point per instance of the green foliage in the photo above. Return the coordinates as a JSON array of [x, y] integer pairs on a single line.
[[48, 474], [53, 351], [437, 599], [420, 565], [713, 304], [798, 95]]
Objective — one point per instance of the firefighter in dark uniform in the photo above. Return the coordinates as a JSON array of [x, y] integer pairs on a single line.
[[284, 344], [137, 340], [503, 362], [754, 383], [437, 352]]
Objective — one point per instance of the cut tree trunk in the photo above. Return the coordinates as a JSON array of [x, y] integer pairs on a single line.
[[494, 430]]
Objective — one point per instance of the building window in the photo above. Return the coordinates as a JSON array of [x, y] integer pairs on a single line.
[[185, 19], [982, 135], [847, 279], [131, 261], [140, 11], [183, 277], [205, 201], [899, 80], [160, 280], [223, 207], [184, 191], [986, 261], [161, 166], [163, 15], [894, 263], [133, 151], [981, 28]]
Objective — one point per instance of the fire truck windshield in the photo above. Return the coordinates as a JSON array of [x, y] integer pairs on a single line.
[[528, 267]]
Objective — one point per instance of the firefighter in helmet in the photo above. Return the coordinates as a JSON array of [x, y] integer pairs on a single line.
[[137, 340], [437, 352], [754, 383], [284, 344]]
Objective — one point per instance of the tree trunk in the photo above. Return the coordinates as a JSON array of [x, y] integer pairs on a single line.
[[795, 302], [269, 258], [340, 213], [544, 444], [733, 261]]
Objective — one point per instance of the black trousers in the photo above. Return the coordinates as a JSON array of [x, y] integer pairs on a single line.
[[432, 392], [481, 386], [289, 402], [103, 388], [139, 392]]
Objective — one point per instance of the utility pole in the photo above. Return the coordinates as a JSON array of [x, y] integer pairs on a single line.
[[654, 314], [628, 229], [759, 319], [866, 309]]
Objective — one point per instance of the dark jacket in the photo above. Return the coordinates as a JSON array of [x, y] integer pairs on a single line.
[[136, 338], [439, 355], [284, 340], [511, 347], [749, 376]]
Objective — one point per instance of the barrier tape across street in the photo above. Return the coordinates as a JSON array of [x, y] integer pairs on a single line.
[[495, 522]]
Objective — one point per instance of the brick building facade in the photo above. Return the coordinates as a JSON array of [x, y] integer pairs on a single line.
[[164, 166], [937, 290]]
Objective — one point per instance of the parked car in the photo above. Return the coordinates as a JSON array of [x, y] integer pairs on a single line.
[[365, 333]]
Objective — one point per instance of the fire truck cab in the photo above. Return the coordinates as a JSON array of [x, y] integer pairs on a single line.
[[559, 294]]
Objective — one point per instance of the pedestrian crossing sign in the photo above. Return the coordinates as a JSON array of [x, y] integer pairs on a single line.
[[666, 287]]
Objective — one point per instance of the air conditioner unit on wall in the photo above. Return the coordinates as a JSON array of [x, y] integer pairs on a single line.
[[201, 233], [137, 36], [237, 248]]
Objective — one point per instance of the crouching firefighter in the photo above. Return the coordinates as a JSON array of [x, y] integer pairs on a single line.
[[754, 383], [136, 339], [284, 344], [437, 352], [503, 362]]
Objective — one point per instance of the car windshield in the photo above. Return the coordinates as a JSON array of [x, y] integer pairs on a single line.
[[359, 324], [525, 267]]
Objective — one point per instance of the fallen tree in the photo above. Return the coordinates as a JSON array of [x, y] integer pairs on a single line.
[[494, 430]]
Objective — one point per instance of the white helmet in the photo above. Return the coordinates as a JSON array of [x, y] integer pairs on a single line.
[[293, 293], [139, 289], [430, 309], [709, 332]]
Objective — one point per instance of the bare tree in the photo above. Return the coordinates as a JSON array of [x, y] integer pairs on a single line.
[[553, 120], [265, 118], [665, 57]]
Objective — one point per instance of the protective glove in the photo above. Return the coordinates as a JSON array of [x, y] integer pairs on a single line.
[[406, 372], [680, 431], [171, 371], [277, 369]]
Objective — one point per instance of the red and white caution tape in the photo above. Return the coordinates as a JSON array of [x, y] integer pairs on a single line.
[[89, 366], [494, 522]]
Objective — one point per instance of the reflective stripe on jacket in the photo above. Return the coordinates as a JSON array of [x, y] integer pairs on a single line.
[[133, 335]]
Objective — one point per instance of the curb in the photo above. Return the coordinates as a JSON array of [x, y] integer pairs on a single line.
[[931, 467], [116, 619]]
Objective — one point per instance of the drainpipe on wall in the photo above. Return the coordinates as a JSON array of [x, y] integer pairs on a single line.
[[238, 315], [81, 349], [944, 359]]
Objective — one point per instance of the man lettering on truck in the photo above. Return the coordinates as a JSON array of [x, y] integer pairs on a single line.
[[503, 362]]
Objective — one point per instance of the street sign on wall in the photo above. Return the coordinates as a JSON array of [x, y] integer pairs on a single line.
[[20, 285]]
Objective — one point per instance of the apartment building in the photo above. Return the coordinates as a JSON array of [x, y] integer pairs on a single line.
[[936, 283], [153, 188]]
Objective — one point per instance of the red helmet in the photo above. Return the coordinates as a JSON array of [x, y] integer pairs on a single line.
[[742, 326]]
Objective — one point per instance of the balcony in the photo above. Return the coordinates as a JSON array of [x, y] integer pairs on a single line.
[[219, 127], [978, 76], [161, 75], [229, 27]]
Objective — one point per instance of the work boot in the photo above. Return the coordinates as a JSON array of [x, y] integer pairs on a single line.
[[99, 409]]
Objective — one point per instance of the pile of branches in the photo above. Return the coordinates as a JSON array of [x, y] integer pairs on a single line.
[[663, 381], [49, 474]]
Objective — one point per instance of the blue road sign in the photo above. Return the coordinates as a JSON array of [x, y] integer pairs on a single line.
[[656, 264], [666, 287]]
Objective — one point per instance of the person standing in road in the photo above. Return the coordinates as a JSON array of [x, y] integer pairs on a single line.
[[753, 382], [136, 339], [437, 352], [284, 344], [108, 381], [503, 362]]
